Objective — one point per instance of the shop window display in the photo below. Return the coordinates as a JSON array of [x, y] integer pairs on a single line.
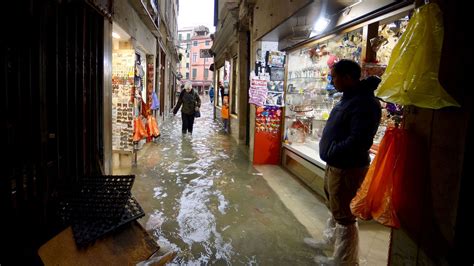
[[310, 97], [309, 94], [388, 36], [383, 44]]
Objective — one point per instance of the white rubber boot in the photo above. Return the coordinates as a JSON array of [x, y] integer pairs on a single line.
[[346, 250], [327, 242]]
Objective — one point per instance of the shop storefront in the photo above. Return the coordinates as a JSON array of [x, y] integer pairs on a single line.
[[133, 101], [310, 97]]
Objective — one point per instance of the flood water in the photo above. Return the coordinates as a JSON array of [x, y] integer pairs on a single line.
[[203, 198]]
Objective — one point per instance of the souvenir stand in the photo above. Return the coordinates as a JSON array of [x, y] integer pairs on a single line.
[[266, 92], [133, 120], [123, 73]]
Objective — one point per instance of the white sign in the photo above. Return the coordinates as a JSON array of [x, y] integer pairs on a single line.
[[258, 91]]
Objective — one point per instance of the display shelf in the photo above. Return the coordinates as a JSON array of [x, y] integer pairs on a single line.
[[297, 93], [308, 151], [306, 78]]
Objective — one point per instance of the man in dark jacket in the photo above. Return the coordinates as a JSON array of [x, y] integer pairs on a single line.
[[211, 94], [191, 104], [344, 146]]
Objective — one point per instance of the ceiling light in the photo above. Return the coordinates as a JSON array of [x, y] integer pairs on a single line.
[[115, 35], [321, 25]]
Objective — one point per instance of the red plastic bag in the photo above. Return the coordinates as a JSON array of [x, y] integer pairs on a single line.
[[153, 126], [139, 128], [376, 198]]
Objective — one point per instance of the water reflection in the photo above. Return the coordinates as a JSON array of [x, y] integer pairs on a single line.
[[204, 200]]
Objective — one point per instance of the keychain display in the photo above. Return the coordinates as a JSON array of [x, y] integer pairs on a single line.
[[268, 119]]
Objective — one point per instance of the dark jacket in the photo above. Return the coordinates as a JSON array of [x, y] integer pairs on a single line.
[[211, 92], [351, 127], [189, 100]]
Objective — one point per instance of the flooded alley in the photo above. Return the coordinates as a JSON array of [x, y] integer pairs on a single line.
[[205, 200]]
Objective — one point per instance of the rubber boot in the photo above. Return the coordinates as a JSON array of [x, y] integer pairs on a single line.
[[328, 239], [346, 249]]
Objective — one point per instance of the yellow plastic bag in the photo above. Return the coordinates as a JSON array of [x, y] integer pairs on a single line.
[[411, 77]]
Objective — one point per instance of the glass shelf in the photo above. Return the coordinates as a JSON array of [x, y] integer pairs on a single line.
[[310, 78]]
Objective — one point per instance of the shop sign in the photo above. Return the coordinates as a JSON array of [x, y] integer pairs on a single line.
[[205, 53]]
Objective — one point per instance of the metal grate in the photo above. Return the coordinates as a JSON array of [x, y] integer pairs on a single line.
[[97, 205], [87, 231], [97, 197]]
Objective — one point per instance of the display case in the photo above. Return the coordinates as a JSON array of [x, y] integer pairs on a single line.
[[388, 35], [309, 95]]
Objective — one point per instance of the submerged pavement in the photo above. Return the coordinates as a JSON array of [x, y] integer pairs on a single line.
[[204, 199]]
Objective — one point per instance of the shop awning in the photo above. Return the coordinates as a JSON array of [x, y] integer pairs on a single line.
[[201, 83], [299, 28], [225, 36]]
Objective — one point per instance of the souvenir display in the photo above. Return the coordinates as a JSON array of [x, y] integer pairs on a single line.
[[277, 74], [267, 93], [274, 99], [309, 94], [275, 86], [275, 59], [388, 36], [122, 100], [268, 119]]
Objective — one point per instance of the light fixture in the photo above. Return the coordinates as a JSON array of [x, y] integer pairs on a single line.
[[115, 35], [320, 25]]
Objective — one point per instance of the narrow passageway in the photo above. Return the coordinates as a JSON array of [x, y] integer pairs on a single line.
[[205, 200]]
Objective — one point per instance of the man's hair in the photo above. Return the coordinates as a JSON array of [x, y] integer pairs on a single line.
[[347, 67]]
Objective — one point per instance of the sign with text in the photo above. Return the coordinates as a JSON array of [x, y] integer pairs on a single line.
[[258, 91], [205, 53]]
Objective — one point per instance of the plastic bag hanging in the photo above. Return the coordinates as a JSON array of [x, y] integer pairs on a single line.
[[139, 128], [393, 188], [155, 104], [374, 199], [153, 126], [411, 77]]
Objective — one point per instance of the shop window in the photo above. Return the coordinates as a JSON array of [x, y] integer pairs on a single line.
[[388, 35], [218, 92], [235, 90], [309, 94]]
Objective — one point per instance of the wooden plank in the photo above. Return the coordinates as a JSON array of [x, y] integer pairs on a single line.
[[128, 246]]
